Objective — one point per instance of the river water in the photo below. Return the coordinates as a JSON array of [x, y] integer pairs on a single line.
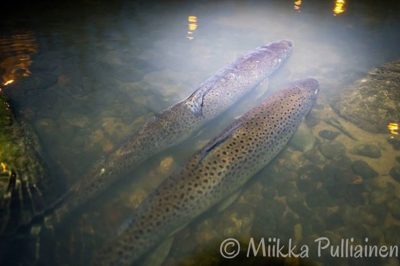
[[88, 75]]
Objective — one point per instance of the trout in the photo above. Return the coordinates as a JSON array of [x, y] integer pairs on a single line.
[[177, 123], [220, 169]]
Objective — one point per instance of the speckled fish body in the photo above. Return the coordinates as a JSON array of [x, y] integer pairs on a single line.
[[178, 122], [215, 172]]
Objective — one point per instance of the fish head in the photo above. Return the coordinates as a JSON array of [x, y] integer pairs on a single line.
[[302, 94], [271, 56]]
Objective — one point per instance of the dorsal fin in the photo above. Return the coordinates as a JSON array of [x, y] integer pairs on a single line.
[[195, 101]]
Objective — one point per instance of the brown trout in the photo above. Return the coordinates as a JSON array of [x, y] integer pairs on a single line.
[[177, 123], [222, 167]]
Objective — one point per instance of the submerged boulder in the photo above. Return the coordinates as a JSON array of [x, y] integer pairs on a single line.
[[374, 101]]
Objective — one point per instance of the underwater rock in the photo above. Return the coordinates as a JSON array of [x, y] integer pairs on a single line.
[[303, 139], [298, 206], [395, 173], [394, 208], [395, 141], [312, 119], [319, 198], [368, 150], [314, 156], [374, 101], [328, 134], [334, 220], [363, 169], [392, 235], [332, 150]]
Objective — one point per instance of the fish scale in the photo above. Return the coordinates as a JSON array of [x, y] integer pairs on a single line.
[[175, 124], [224, 165]]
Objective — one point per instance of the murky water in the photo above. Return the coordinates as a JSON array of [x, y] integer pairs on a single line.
[[88, 76]]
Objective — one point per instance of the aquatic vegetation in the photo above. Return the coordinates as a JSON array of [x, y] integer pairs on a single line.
[[23, 178]]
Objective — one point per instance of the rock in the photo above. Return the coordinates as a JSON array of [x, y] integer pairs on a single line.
[[395, 173], [332, 150], [312, 119], [394, 208], [372, 102], [392, 235], [328, 134], [395, 141], [303, 140], [319, 198], [314, 156], [363, 169], [368, 150]]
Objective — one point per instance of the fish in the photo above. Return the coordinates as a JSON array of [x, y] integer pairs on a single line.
[[175, 124], [214, 173]]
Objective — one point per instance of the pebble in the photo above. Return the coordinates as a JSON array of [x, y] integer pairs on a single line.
[[394, 208], [395, 173], [392, 234], [363, 169], [368, 150], [312, 119], [332, 150], [328, 134], [395, 142]]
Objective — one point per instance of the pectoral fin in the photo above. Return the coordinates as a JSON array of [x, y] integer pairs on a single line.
[[228, 201], [195, 103]]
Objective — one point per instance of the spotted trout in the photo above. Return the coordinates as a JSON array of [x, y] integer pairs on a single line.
[[222, 167], [177, 123]]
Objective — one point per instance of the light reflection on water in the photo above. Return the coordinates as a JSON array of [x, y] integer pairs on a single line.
[[16, 56], [192, 26], [340, 7], [114, 70], [297, 5], [393, 128]]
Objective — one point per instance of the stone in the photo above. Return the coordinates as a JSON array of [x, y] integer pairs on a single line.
[[395, 173], [394, 208], [395, 142], [363, 169], [332, 150], [319, 198], [368, 150], [312, 119], [373, 101], [328, 134], [314, 156], [392, 235], [303, 140]]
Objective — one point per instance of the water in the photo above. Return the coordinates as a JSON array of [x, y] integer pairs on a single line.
[[88, 75]]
